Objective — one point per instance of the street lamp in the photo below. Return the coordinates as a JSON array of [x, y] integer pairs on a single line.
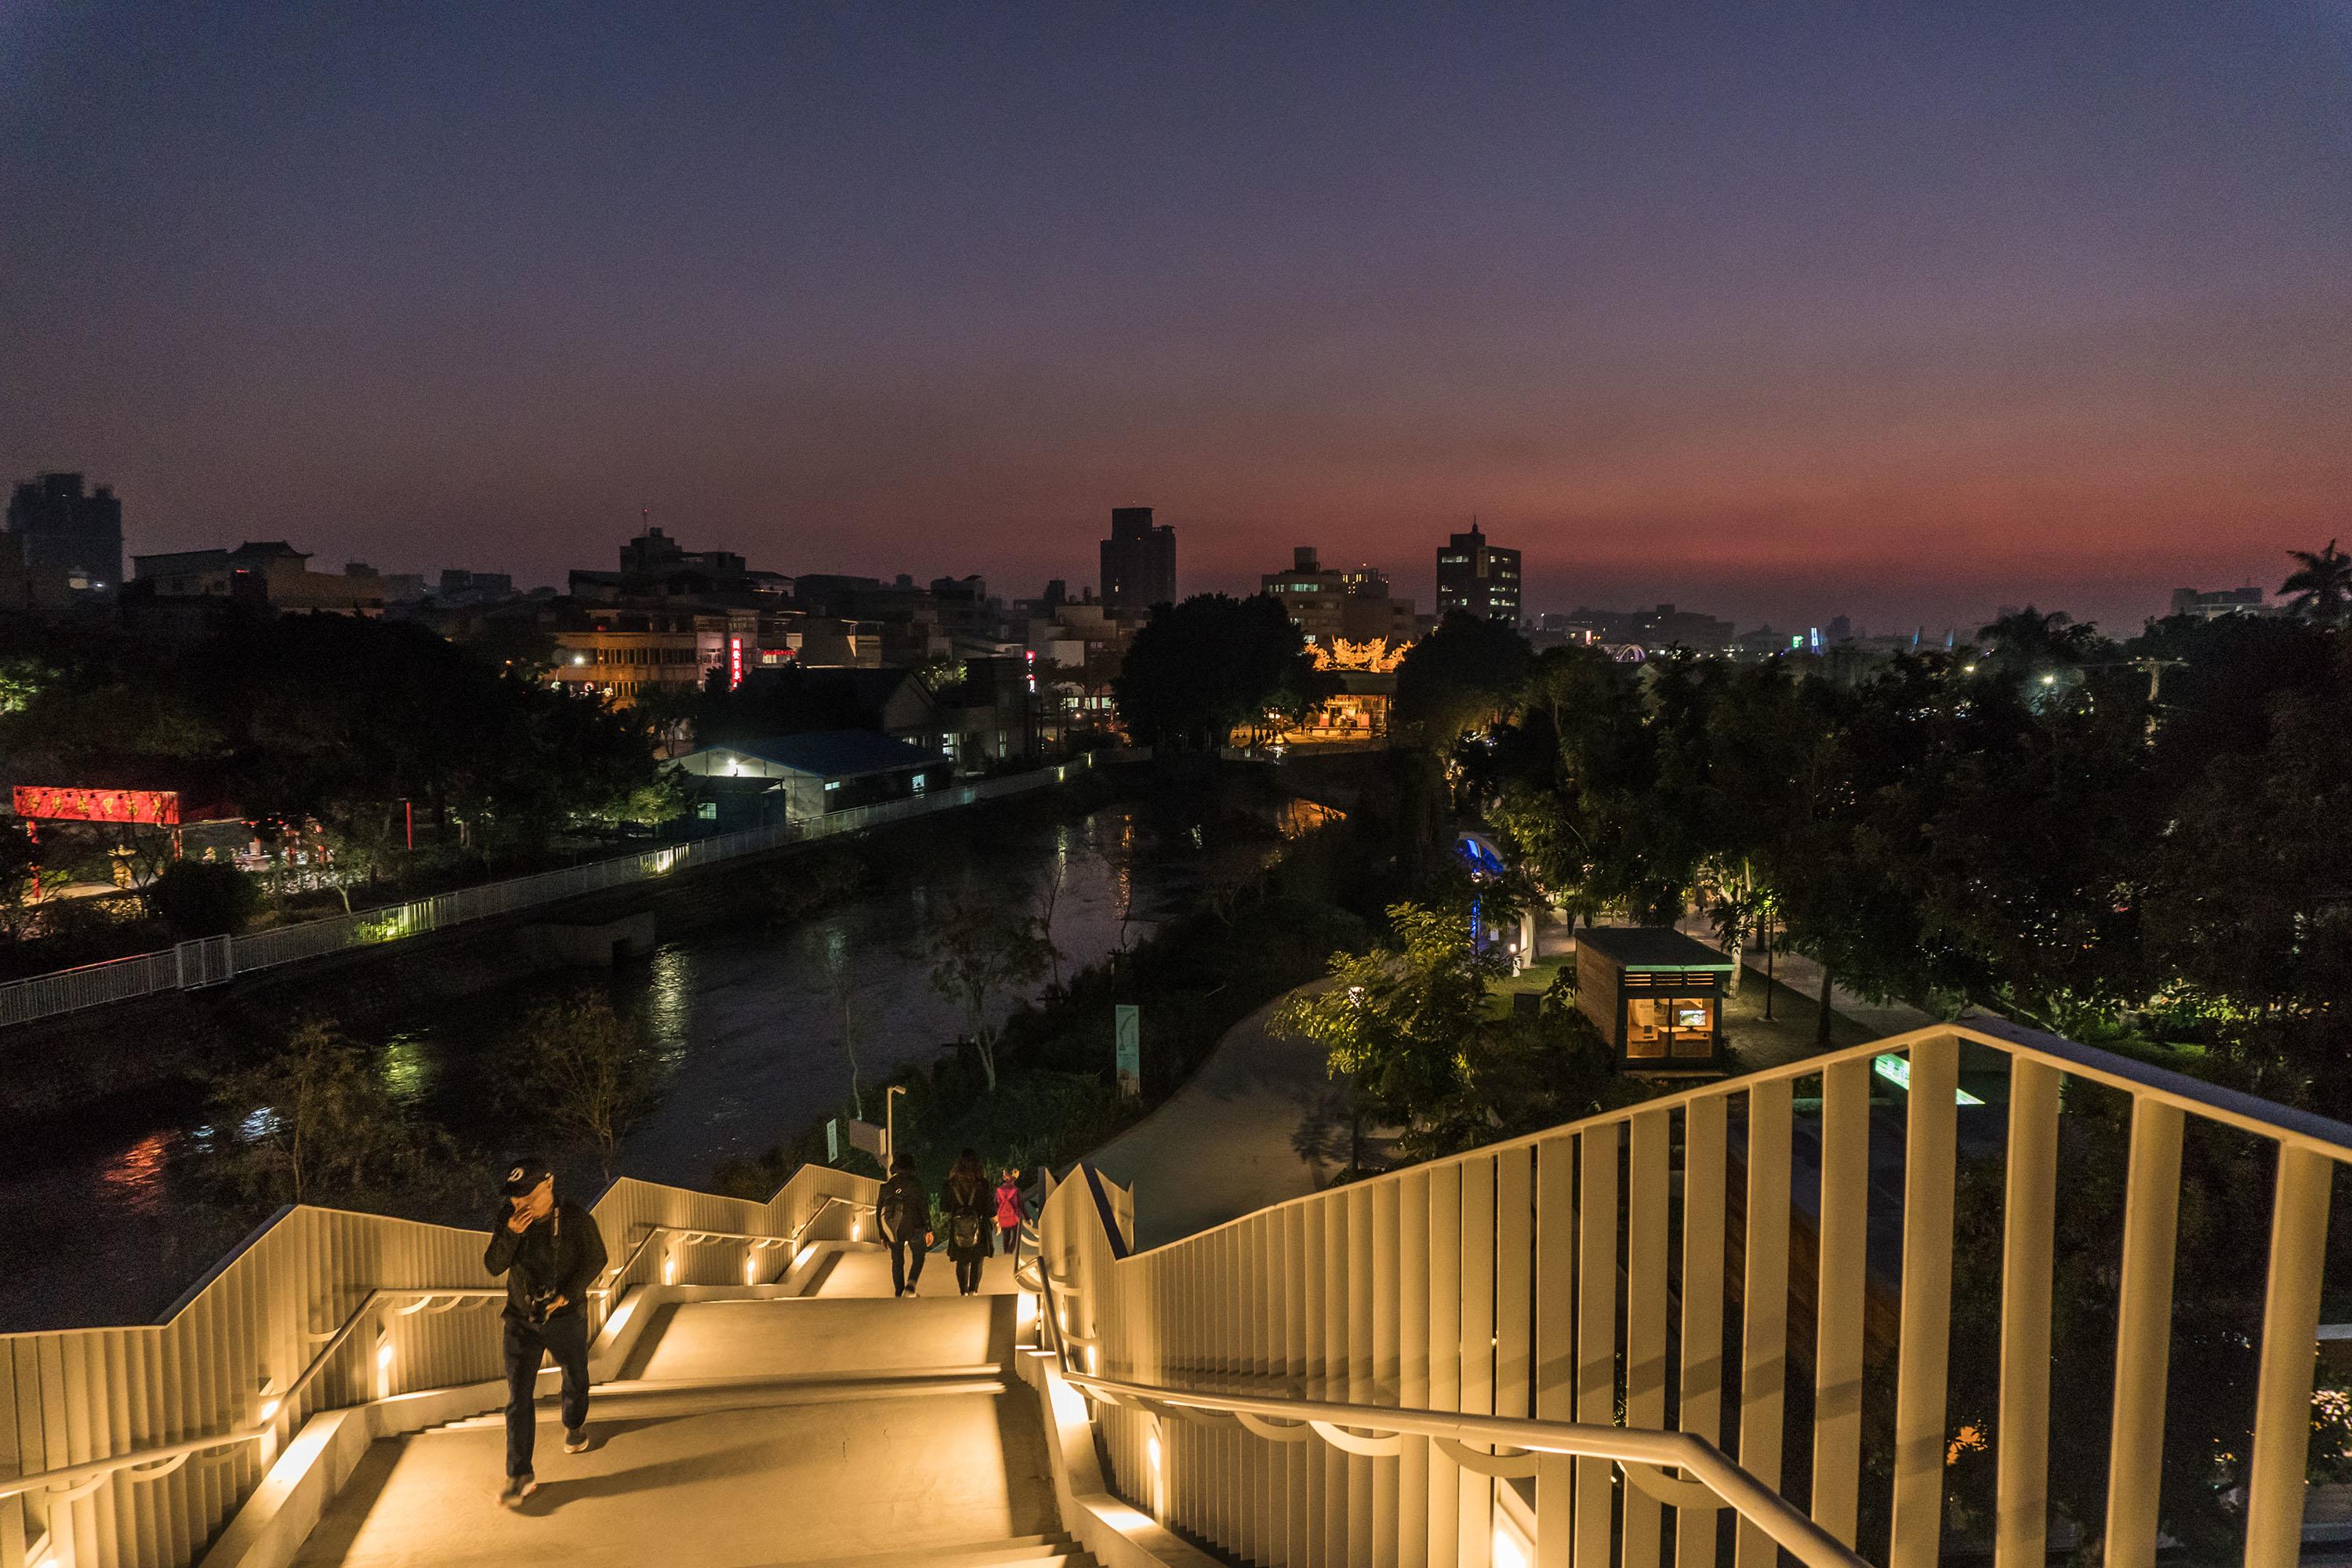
[[891, 1126]]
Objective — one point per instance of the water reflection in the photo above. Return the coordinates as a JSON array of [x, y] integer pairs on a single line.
[[404, 1068], [134, 1178]]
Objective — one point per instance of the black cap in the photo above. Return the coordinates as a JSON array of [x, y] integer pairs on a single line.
[[523, 1175]]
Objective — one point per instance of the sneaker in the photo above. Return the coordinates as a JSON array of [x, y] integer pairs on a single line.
[[517, 1489], [575, 1441]]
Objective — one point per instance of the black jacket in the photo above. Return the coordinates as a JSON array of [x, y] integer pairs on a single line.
[[558, 1255], [904, 1208]]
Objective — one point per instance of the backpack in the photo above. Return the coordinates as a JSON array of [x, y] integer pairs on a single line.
[[963, 1232]]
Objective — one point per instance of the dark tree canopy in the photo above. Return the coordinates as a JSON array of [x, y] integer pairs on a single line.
[[1468, 670], [1200, 669], [292, 719]]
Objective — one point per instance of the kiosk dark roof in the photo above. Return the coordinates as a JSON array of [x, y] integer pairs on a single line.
[[1639, 948]]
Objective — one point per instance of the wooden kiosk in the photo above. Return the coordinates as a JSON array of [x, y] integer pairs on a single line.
[[1656, 995]]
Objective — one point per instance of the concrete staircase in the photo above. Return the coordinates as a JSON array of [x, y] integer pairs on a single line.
[[750, 1431]]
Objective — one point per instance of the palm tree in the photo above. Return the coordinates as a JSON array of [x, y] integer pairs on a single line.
[[2028, 640], [2321, 588]]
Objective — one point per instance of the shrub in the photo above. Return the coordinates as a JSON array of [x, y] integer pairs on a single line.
[[203, 898]]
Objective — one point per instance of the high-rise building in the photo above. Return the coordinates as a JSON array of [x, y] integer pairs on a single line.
[[1139, 560], [1479, 577], [61, 533]]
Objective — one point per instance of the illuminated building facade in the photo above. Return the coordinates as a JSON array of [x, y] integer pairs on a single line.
[[1477, 577]]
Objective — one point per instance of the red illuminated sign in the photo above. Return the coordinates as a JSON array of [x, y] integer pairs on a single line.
[[161, 807], [734, 663]]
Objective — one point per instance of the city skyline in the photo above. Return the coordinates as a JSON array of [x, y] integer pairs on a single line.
[[1774, 316]]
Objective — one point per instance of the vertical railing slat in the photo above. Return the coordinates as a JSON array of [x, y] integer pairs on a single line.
[[1358, 1198], [1413, 1380], [1445, 1355], [1596, 1333], [1477, 1516], [1930, 1150], [2022, 1508], [1648, 1172], [2275, 1486], [1699, 1407], [1838, 1297], [1764, 1305], [1555, 1348], [2143, 1333], [1387, 1307]]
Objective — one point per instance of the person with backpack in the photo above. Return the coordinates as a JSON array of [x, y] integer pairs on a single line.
[[970, 1209], [904, 1213], [1009, 1212]]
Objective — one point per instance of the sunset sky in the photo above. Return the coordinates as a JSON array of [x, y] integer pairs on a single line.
[[1773, 310]]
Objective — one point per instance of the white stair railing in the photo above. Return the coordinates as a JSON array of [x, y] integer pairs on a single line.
[[1530, 1284], [133, 1446]]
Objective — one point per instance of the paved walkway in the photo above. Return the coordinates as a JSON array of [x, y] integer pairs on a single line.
[[1260, 1122], [746, 1433]]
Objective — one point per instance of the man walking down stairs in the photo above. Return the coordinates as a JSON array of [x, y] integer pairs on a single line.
[[748, 1428]]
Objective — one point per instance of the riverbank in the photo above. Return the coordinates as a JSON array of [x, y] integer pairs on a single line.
[[1056, 1098], [740, 1012], [155, 1043]]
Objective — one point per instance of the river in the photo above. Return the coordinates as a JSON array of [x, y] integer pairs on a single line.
[[104, 1207]]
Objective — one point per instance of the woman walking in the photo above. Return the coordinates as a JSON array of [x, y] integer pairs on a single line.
[[969, 1207], [1009, 1213]]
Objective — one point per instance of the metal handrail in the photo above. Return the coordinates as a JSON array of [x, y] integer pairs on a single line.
[[2310, 1148], [67, 1479], [2248, 1113], [1698, 1458], [694, 1235]]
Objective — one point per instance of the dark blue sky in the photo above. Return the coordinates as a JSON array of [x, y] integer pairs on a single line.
[[1778, 311]]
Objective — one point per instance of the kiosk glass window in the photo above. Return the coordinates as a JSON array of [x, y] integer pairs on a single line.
[[1660, 1027]]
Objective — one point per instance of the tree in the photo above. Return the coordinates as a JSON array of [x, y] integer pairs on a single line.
[[1467, 672], [589, 1071], [314, 1122], [1197, 671], [669, 712], [19, 865], [1400, 1022], [982, 952], [1049, 900], [841, 981], [2320, 587]]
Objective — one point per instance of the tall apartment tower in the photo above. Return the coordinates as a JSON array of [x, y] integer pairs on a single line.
[[61, 533], [1479, 577], [1139, 560]]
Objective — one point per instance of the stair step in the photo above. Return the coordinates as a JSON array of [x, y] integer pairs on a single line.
[[635, 1398], [1026, 1551]]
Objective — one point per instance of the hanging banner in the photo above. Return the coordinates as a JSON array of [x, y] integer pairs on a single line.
[[160, 806], [1126, 1029]]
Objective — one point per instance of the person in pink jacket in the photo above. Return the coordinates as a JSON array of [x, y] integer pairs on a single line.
[[1008, 1211]]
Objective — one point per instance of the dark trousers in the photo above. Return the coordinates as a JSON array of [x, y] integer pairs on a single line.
[[564, 1337], [1008, 1241], [968, 1273], [903, 1276]]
